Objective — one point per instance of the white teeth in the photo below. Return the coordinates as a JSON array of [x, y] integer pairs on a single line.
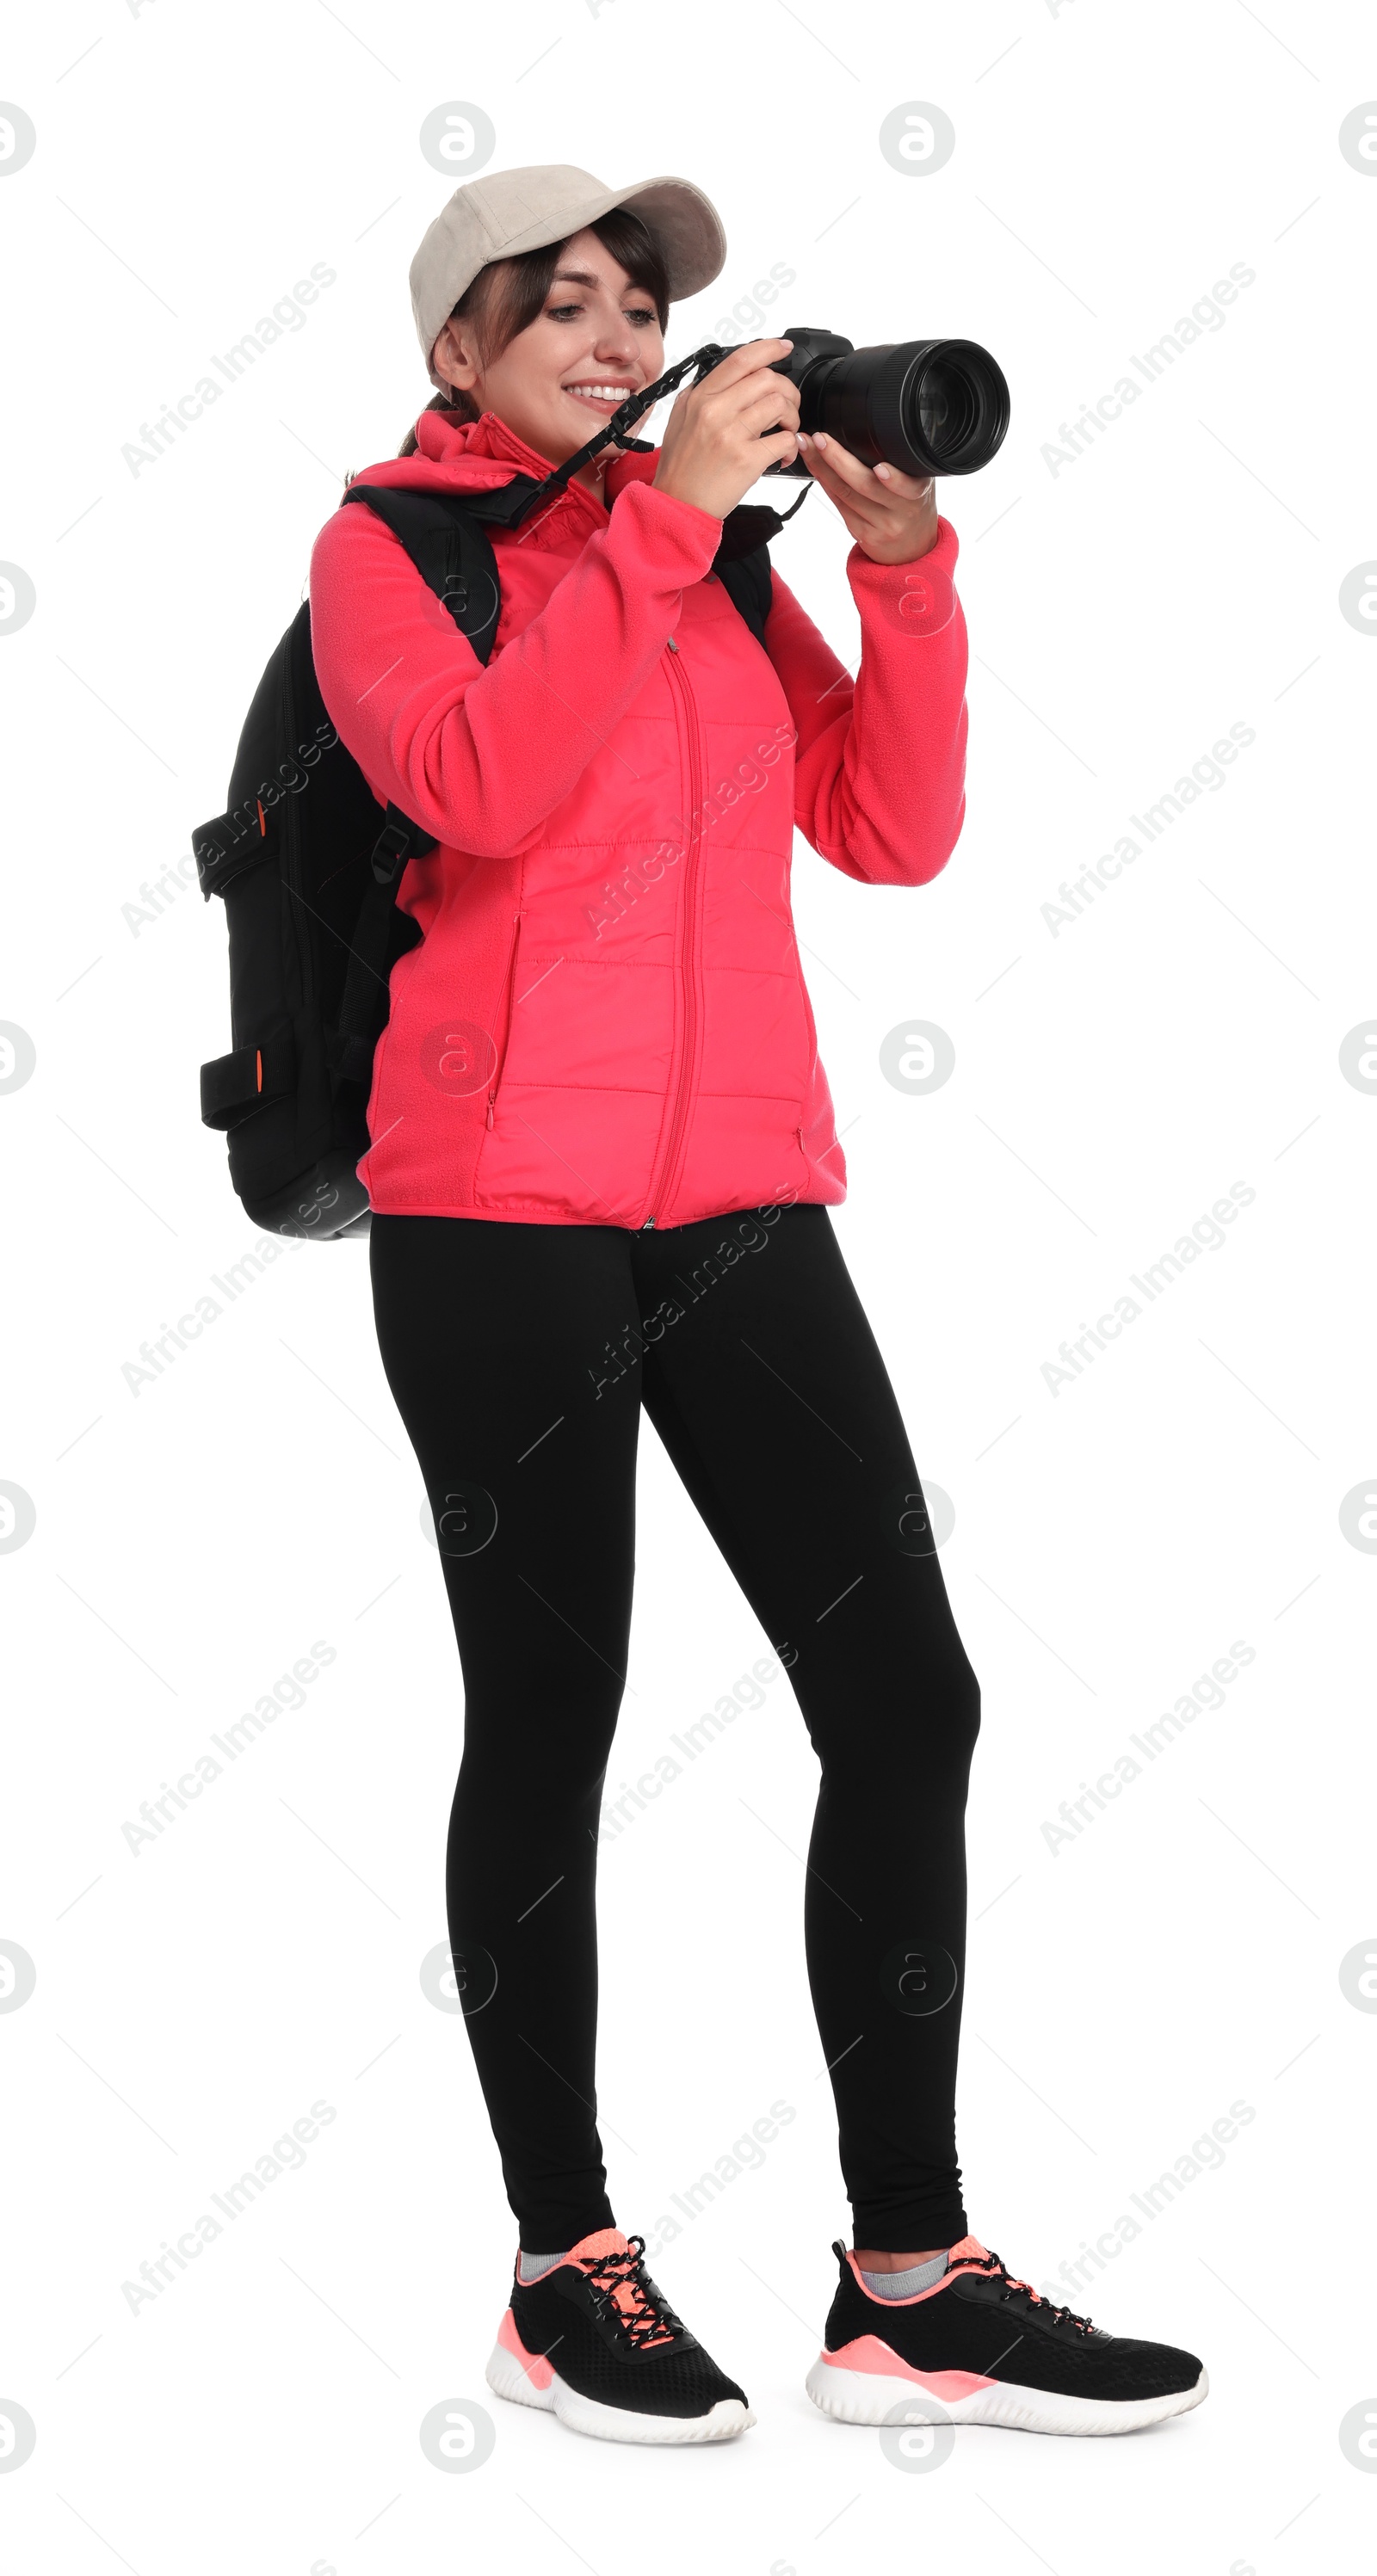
[[600, 393]]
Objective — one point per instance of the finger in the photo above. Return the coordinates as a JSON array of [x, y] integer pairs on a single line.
[[858, 509], [761, 392], [870, 505], [769, 405], [844, 465], [782, 449], [745, 361], [843, 495], [880, 483], [834, 483], [904, 487]]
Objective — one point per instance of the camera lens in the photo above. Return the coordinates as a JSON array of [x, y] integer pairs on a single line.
[[924, 406], [946, 408], [954, 405]]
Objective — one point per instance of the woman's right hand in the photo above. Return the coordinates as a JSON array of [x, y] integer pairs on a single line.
[[713, 448]]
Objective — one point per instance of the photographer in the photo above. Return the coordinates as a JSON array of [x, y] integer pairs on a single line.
[[598, 1103]]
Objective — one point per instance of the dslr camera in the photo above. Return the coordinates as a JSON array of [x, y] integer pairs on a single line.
[[922, 406]]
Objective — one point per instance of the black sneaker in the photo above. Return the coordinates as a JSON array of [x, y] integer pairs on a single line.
[[990, 2350], [594, 2342]]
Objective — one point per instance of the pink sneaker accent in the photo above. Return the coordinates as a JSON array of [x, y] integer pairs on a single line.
[[609, 2261], [604, 2240], [933, 2290], [537, 2369], [971, 2250], [867, 2353]]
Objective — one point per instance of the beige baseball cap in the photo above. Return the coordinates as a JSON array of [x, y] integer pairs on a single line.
[[514, 210]]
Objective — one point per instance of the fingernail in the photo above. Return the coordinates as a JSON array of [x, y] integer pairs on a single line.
[[821, 437], [883, 472]]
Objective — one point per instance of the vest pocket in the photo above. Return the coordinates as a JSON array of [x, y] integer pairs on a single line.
[[502, 1033]]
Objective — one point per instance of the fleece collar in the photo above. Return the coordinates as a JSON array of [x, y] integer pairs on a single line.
[[480, 455]]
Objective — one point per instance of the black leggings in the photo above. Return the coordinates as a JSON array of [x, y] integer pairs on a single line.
[[519, 1357]]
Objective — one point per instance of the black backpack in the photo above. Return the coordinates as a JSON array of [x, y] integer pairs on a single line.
[[309, 879]]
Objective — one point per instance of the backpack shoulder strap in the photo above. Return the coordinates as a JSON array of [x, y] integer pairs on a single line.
[[446, 539], [451, 551], [742, 560], [450, 548], [749, 585]]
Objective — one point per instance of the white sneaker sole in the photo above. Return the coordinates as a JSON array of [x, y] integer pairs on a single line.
[[507, 2377], [866, 2397]]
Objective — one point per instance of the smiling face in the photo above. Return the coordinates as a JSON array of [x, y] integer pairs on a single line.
[[596, 339]]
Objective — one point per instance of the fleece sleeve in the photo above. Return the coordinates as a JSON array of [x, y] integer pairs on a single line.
[[880, 764], [479, 757]]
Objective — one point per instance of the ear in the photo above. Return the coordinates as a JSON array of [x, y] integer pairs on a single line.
[[452, 361]]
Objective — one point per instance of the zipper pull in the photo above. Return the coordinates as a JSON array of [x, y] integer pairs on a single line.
[[649, 1225], [673, 647], [491, 1098]]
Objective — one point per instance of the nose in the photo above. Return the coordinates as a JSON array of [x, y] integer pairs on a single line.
[[617, 346]]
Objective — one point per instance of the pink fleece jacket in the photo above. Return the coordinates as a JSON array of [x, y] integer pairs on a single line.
[[605, 1021]]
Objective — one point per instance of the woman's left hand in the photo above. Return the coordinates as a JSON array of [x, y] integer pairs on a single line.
[[892, 516]]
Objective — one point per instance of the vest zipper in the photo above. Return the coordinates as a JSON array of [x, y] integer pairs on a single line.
[[500, 1056], [663, 1182]]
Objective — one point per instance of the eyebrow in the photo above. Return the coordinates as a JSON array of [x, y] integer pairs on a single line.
[[585, 277]]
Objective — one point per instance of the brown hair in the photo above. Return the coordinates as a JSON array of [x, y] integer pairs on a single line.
[[507, 295]]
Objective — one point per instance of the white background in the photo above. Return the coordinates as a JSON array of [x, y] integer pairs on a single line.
[[1111, 1540]]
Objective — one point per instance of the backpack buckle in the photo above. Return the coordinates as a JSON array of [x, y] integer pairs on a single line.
[[391, 851]]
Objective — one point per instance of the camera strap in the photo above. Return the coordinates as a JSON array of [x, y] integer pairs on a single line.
[[619, 429]]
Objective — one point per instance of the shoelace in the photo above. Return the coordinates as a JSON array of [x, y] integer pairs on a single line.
[[644, 2314], [996, 2269]]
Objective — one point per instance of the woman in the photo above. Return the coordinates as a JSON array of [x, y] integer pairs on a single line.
[[602, 1157]]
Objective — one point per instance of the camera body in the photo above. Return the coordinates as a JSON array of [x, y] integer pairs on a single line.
[[922, 406]]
